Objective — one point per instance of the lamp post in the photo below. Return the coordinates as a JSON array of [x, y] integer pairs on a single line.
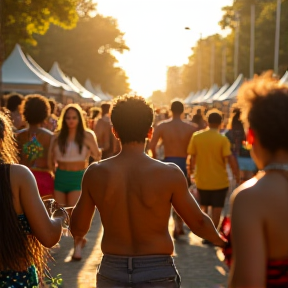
[[1, 49], [212, 65], [277, 37], [199, 62], [224, 62], [236, 45], [252, 41]]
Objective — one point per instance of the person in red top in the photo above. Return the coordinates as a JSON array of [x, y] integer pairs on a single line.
[[260, 206]]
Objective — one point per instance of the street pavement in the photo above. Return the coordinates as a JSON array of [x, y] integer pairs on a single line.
[[198, 264]]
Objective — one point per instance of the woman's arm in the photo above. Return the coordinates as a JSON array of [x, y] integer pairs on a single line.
[[51, 155], [248, 242], [46, 230]]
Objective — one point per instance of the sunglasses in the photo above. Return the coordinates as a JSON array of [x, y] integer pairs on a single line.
[[250, 138]]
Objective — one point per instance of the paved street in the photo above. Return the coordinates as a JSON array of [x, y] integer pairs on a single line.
[[198, 265]]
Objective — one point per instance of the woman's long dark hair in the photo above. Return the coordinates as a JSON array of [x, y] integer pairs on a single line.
[[64, 130], [236, 122], [18, 251]]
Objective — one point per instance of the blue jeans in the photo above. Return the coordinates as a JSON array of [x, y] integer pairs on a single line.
[[137, 272]]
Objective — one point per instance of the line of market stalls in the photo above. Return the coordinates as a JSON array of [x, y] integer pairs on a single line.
[[223, 98], [20, 73]]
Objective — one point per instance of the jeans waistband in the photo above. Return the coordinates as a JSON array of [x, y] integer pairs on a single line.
[[138, 269], [138, 261]]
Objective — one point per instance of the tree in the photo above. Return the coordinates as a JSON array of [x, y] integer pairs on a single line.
[[158, 98], [264, 32], [85, 52], [21, 20], [202, 55], [264, 43]]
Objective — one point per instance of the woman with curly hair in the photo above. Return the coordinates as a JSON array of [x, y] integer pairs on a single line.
[[70, 150], [34, 143], [260, 206], [25, 226]]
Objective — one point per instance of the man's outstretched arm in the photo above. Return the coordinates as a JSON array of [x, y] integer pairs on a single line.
[[188, 209], [153, 143], [84, 210]]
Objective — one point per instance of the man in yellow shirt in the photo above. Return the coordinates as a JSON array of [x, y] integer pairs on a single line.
[[210, 152]]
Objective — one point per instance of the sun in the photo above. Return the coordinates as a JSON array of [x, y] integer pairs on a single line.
[[156, 35]]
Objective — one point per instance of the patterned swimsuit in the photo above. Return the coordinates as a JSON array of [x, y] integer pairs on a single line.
[[17, 279]]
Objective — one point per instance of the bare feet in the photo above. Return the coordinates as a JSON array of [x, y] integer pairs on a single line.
[[79, 243]]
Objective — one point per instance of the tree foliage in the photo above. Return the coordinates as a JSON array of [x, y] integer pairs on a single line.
[[265, 26], [21, 20], [158, 98], [85, 52], [66, 31]]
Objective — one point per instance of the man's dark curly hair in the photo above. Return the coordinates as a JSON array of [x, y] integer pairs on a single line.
[[132, 118], [264, 105], [13, 101], [36, 109]]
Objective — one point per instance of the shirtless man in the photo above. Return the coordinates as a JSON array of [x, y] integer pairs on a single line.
[[175, 135], [134, 194], [103, 132]]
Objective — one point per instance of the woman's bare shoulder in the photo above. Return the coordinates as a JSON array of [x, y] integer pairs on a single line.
[[19, 171], [89, 133], [245, 191]]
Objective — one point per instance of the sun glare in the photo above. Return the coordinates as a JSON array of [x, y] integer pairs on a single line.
[[154, 31]]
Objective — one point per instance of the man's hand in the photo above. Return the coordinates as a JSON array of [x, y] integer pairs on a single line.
[[221, 242]]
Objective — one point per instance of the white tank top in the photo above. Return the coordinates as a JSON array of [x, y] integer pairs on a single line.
[[72, 153]]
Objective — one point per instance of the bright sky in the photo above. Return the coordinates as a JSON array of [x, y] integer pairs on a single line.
[[154, 31]]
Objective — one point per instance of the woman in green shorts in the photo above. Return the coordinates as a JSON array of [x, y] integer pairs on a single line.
[[70, 150]]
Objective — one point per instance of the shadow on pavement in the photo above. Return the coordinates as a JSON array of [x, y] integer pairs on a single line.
[[78, 273], [198, 264]]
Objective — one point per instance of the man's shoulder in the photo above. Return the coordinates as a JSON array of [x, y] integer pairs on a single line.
[[94, 170], [166, 167], [89, 133], [164, 123], [200, 133]]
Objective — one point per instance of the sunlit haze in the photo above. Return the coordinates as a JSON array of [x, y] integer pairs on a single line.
[[154, 31]]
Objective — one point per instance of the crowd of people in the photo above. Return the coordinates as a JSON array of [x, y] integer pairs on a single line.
[[141, 167]]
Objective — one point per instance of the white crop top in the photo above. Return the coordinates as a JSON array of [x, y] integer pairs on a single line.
[[72, 153]]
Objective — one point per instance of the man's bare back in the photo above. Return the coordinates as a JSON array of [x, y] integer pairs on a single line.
[[134, 194], [134, 208], [175, 134], [105, 137]]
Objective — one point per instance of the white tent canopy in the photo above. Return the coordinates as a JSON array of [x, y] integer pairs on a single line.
[[84, 92], [16, 69], [233, 90], [195, 96], [96, 91], [100, 93], [221, 91], [188, 99], [47, 75], [197, 99], [284, 79], [58, 74], [214, 88]]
